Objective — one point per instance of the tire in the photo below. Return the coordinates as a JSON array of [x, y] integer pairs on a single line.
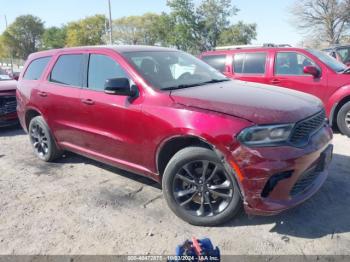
[[343, 119], [42, 140], [185, 192]]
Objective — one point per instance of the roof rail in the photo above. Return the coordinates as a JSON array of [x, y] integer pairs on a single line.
[[250, 46]]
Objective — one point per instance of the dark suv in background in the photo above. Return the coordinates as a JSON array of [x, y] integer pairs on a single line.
[[340, 52], [213, 143]]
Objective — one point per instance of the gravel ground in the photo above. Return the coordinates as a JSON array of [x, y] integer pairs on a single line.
[[79, 206]]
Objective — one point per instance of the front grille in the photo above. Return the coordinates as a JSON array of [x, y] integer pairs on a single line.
[[8, 105], [306, 128]]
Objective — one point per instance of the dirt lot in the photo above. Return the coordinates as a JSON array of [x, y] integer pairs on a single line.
[[78, 206]]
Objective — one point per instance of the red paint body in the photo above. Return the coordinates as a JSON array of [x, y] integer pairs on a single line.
[[332, 88], [130, 134]]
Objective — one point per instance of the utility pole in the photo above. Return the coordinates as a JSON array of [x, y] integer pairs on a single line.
[[11, 58], [110, 23]]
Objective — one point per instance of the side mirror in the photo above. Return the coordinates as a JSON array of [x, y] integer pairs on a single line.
[[312, 70], [119, 86]]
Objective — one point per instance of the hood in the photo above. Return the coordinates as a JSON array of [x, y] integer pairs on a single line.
[[8, 85], [261, 104]]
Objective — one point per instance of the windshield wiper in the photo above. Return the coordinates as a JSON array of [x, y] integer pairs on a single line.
[[212, 81], [346, 71]]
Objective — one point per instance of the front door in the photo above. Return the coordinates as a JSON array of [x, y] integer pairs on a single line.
[[289, 72], [113, 121]]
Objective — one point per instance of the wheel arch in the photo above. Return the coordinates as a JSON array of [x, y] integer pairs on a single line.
[[335, 109], [171, 146], [30, 114]]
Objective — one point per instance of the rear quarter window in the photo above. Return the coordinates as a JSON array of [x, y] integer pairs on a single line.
[[216, 61], [249, 63], [36, 68]]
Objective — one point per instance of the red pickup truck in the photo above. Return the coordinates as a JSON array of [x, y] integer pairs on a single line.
[[305, 70]]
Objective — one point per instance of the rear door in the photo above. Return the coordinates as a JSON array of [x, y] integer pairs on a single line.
[[288, 72], [61, 95], [250, 66]]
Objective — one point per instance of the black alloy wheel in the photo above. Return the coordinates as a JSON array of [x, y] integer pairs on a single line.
[[198, 188], [202, 188], [42, 141]]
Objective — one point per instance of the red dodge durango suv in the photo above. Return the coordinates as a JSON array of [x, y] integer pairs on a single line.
[[305, 70], [213, 143]]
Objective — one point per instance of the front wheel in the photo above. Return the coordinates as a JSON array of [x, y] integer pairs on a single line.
[[198, 189], [42, 141], [343, 119]]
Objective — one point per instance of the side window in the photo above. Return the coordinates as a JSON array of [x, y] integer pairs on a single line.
[[101, 68], [36, 68], [344, 53], [68, 70], [216, 61], [249, 63], [291, 63]]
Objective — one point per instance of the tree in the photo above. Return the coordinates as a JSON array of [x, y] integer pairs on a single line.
[[238, 34], [185, 31], [214, 19], [54, 37], [195, 29], [3, 51], [137, 29], [326, 19], [88, 31], [23, 36]]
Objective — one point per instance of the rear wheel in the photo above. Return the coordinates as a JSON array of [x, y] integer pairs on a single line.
[[42, 141], [343, 119], [198, 189]]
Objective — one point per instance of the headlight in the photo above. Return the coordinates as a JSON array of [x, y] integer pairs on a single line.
[[265, 135]]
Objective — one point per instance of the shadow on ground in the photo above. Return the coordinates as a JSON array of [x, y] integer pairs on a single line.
[[326, 213], [71, 158], [11, 131]]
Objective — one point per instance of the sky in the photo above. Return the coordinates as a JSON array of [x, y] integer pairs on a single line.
[[271, 16]]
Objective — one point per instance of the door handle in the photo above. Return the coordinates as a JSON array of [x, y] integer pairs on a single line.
[[42, 94], [275, 81], [88, 101]]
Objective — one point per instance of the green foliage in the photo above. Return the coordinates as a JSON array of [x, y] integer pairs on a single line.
[[185, 33], [137, 29], [195, 29], [88, 31], [188, 26], [23, 37], [214, 18], [54, 37], [238, 34], [3, 51]]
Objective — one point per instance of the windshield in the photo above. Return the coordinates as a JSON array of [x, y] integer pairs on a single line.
[[173, 69], [334, 64]]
